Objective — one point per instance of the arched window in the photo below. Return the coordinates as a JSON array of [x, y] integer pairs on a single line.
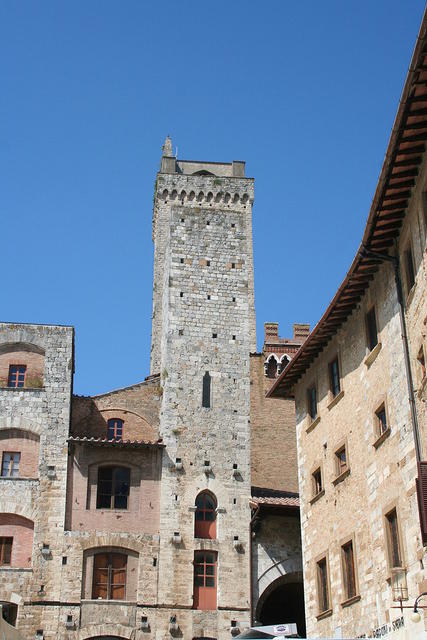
[[109, 576], [115, 429], [113, 488], [283, 363], [205, 579], [205, 520], [271, 367]]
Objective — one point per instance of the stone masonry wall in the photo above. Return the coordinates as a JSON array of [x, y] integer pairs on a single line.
[[203, 320], [43, 411], [381, 473]]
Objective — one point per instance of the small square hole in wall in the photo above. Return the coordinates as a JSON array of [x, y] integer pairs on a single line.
[[234, 410], [232, 225], [182, 260], [208, 263], [181, 294], [64, 560], [234, 500], [234, 299], [182, 219], [154, 562], [176, 497], [181, 332], [209, 297], [234, 337], [214, 335], [207, 223], [233, 265]]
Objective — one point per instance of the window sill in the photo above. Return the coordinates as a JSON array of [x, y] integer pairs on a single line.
[[317, 496], [313, 424], [382, 437], [18, 478], [341, 477], [109, 602], [335, 400], [350, 601], [372, 355], [23, 388], [324, 614], [15, 569]]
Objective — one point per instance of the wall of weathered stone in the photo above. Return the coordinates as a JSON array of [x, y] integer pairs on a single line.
[[381, 473], [44, 411], [203, 250]]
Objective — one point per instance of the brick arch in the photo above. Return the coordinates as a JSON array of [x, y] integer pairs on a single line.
[[10, 347], [105, 631], [20, 422], [98, 542], [17, 508]]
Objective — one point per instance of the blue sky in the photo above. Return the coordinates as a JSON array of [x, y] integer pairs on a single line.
[[305, 92]]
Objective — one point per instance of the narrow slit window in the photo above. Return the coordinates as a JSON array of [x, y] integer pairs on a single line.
[[371, 329], [421, 363], [312, 403], [347, 555], [317, 482], [322, 585], [334, 377], [395, 554], [5, 550], [341, 460], [381, 420], [206, 394]]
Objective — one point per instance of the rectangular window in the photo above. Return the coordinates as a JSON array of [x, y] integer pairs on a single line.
[[341, 460], [347, 557], [322, 585], [381, 420], [204, 596], [10, 464], [17, 374], [312, 402], [109, 576], [317, 481], [5, 550], [115, 429], [409, 268], [206, 392], [113, 488], [393, 541], [371, 329], [334, 377]]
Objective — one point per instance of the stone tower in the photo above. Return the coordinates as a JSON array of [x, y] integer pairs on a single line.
[[203, 332]]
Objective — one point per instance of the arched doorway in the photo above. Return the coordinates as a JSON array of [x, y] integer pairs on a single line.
[[283, 601]]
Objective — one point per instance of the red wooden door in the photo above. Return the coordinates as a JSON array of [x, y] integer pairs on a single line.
[[205, 579], [205, 522]]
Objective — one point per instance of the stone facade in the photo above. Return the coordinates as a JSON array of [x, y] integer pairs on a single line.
[[102, 511], [359, 384]]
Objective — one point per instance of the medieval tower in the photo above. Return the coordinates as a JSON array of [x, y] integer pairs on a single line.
[[203, 333]]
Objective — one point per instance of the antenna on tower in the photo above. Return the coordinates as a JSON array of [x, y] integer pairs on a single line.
[[176, 152]]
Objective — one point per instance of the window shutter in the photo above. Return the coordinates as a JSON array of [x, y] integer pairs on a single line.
[[422, 498]]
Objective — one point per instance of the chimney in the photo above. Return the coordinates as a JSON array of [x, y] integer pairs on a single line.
[[271, 331], [301, 332]]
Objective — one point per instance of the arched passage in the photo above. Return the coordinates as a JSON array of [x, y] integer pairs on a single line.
[[283, 601]]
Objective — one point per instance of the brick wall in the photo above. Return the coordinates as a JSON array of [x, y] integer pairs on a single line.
[[273, 434], [33, 361], [21, 530], [27, 444]]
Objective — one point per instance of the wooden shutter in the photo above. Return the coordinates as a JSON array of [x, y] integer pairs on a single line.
[[118, 576], [100, 576], [422, 498]]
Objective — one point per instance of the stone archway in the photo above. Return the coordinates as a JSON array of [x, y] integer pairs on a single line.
[[283, 601]]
